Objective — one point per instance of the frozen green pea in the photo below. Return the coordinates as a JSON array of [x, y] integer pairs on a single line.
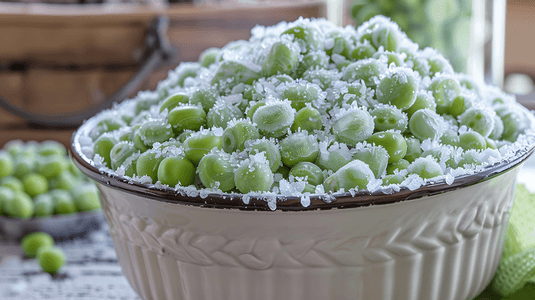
[[63, 202], [445, 90], [298, 147], [176, 170], [249, 112], [322, 77], [127, 135], [425, 168], [204, 96], [413, 149], [216, 170], [253, 176], [438, 64], [52, 148], [393, 179], [6, 164], [186, 117], [271, 152], [363, 51], [171, 143], [472, 140], [43, 205], [458, 106], [65, 181], [491, 143], [14, 147], [386, 35], [375, 157], [308, 170], [353, 127], [274, 119], [309, 188], [307, 118], [23, 165], [368, 70], [87, 198], [130, 164], [106, 125], [512, 125], [51, 259], [198, 145], [32, 242], [451, 138], [399, 165], [426, 124], [423, 100], [393, 142], [300, 94], [21, 206], [184, 135], [311, 61], [120, 152], [12, 182], [333, 159], [398, 88], [308, 36], [147, 164], [355, 174], [391, 57], [155, 131], [387, 118], [35, 184], [208, 56], [221, 114], [235, 136], [497, 131], [356, 92], [470, 158], [138, 142], [102, 147], [281, 59], [447, 157], [174, 101], [341, 47], [480, 120], [6, 195]]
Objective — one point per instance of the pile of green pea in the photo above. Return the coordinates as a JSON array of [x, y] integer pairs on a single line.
[[331, 109], [441, 24], [40, 180]]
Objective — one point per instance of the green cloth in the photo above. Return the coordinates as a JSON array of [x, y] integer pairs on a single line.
[[515, 276]]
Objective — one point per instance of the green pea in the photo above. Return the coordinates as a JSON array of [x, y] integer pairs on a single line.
[[50, 258], [387, 36], [184, 135], [155, 131], [6, 164], [235, 136], [413, 149], [197, 146], [497, 131], [470, 158], [281, 59], [393, 142], [249, 112], [32, 242], [174, 101], [87, 198], [321, 77], [399, 165], [512, 125], [120, 152], [355, 174], [307, 118], [368, 70], [375, 157], [450, 137], [23, 165], [353, 127], [43, 205], [480, 120], [253, 176], [217, 171], [423, 100], [221, 114], [438, 64], [176, 170], [138, 142], [12, 182], [102, 147], [208, 56], [204, 96], [21, 206], [147, 164], [63, 202], [458, 106], [426, 168], [106, 125], [426, 124], [186, 117], [445, 90], [333, 159], [6, 195], [298, 147], [472, 140], [363, 51], [393, 179], [387, 118], [398, 88], [130, 164], [271, 152], [14, 147], [308, 170], [50, 147], [274, 119], [391, 57], [308, 36], [341, 47], [301, 93], [491, 143], [311, 61], [356, 92], [35, 184]]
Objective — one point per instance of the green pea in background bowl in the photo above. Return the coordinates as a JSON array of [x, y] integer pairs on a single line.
[[437, 242]]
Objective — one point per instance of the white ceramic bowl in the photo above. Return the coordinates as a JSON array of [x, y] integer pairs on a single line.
[[438, 242]]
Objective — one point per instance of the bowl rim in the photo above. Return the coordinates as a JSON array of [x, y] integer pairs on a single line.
[[284, 203]]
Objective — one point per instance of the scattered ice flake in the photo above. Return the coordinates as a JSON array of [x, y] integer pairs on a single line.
[[305, 199], [449, 178]]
